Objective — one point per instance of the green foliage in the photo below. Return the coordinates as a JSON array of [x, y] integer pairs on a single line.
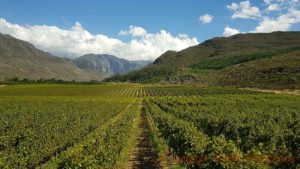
[[33, 129], [91, 126], [282, 72], [223, 62], [118, 90], [240, 130], [182, 137], [104, 147], [16, 80], [151, 74]]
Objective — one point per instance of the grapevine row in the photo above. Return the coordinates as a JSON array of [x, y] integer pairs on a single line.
[[105, 147], [249, 123], [33, 129]]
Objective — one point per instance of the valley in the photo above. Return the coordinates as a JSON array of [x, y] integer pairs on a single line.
[[225, 103], [172, 84]]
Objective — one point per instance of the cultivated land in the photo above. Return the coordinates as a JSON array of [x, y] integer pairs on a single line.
[[147, 126]]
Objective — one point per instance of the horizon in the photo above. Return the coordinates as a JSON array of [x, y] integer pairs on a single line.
[[131, 30]]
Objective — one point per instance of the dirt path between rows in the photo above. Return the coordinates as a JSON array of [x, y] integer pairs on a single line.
[[144, 155], [284, 91]]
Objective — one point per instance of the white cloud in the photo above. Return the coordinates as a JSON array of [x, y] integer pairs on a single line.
[[267, 1], [77, 41], [205, 19], [274, 15], [244, 10], [228, 31], [282, 23], [278, 5], [283, 2], [134, 31], [273, 7]]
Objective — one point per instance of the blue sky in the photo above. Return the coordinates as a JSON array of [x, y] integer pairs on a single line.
[[109, 17]]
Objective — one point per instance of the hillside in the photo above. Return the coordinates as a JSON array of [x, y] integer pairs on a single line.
[[277, 72], [215, 62], [240, 44], [21, 59], [107, 65]]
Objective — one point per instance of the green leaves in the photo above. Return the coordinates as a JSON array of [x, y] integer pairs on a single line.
[[104, 147], [37, 128], [229, 131]]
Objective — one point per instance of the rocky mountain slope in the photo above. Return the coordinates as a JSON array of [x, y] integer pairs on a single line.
[[107, 64], [20, 59]]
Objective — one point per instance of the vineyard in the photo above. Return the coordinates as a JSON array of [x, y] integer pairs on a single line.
[[107, 126], [228, 131], [115, 90]]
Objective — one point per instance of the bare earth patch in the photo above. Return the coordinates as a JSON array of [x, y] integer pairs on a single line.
[[144, 155], [283, 91]]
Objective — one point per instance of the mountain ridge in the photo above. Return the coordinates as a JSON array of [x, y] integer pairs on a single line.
[[247, 43], [202, 63], [109, 64], [22, 60]]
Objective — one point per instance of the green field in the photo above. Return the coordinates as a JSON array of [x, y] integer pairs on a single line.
[[97, 126]]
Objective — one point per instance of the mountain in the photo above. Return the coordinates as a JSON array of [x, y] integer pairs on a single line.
[[21, 59], [240, 44], [243, 60], [107, 65]]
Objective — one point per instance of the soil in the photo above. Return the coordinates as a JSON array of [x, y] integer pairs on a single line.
[[144, 155], [283, 91]]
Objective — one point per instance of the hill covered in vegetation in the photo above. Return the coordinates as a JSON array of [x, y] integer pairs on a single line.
[[267, 60]]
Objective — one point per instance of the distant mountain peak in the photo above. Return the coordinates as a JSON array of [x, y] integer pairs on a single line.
[[109, 64], [21, 59]]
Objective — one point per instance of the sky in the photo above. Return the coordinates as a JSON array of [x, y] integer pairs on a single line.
[[139, 29]]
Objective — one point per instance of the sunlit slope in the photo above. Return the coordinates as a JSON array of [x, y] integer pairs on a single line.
[[22, 60], [216, 62]]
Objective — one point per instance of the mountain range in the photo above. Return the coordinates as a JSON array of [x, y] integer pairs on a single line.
[[108, 64], [263, 60], [260, 60], [20, 59]]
